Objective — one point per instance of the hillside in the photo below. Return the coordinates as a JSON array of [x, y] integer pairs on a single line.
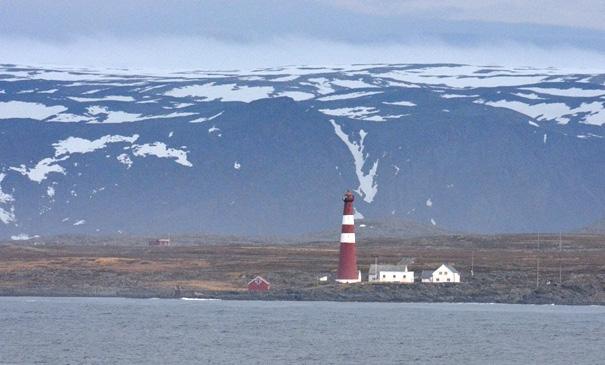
[[270, 151]]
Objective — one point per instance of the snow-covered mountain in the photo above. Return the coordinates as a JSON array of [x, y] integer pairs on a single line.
[[270, 151]]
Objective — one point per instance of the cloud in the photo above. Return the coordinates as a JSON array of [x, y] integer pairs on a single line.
[[174, 52], [208, 34], [564, 13]]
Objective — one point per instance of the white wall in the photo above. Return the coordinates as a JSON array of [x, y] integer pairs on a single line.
[[444, 275], [393, 277]]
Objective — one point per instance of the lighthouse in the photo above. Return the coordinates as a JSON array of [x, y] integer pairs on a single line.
[[347, 263]]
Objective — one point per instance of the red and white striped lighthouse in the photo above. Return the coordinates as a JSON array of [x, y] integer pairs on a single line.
[[347, 263]]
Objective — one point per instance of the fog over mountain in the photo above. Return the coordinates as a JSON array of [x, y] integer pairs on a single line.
[[206, 34], [270, 151]]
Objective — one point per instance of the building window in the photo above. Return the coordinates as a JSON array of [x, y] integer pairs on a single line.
[[384, 276], [404, 276], [437, 279], [448, 279]]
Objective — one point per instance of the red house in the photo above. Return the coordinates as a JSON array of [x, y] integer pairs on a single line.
[[258, 284]]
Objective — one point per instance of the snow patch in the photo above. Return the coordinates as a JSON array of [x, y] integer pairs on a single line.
[[4, 197], [322, 85], [223, 92], [27, 110], [360, 113], [592, 113], [349, 95], [595, 114], [429, 202], [6, 215], [166, 116], [461, 77], [80, 222], [453, 96], [160, 150], [237, 165], [104, 98], [297, 95], [63, 150], [368, 187], [571, 92], [399, 103], [285, 78], [70, 118], [543, 111], [183, 105], [588, 136], [528, 96], [205, 119], [353, 84], [214, 129], [82, 145], [125, 160], [44, 167], [114, 117]]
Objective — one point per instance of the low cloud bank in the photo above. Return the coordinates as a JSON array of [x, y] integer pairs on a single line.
[[166, 53]]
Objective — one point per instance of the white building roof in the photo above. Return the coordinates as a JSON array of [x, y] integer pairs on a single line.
[[380, 267], [451, 268]]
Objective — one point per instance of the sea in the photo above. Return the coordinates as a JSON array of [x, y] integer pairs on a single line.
[[182, 331]]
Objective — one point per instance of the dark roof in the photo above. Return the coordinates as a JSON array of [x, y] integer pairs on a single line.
[[426, 274], [406, 261]]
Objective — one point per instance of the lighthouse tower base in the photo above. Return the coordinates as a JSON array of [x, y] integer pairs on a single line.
[[350, 281]]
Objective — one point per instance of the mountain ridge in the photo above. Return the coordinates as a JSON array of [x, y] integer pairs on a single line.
[[269, 152]]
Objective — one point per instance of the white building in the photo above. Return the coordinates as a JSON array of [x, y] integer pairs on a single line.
[[444, 274], [390, 274]]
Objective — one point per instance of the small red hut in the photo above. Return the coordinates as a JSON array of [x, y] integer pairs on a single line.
[[258, 284]]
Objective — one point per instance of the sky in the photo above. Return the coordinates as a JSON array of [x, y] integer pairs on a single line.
[[242, 34]]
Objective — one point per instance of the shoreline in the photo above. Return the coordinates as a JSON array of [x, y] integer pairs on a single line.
[[366, 293], [252, 299]]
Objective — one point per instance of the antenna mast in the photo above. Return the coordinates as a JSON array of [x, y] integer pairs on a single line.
[[560, 265], [538, 264]]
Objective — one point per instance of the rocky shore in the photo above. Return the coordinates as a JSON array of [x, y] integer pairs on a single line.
[[564, 294]]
